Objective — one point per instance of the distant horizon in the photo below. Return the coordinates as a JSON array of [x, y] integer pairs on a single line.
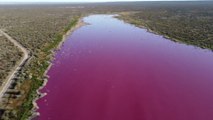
[[8, 2], [91, 1]]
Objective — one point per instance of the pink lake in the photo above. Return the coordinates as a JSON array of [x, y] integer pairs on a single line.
[[111, 70]]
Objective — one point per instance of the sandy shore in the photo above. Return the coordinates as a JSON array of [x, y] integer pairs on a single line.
[[40, 95]]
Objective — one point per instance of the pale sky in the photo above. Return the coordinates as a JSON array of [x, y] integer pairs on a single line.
[[3, 1]]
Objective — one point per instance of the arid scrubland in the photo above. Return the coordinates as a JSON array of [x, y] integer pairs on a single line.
[[9, 56], [40, 28], [188, 23]]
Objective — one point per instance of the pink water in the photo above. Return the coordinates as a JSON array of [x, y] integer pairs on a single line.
[[111, 70]]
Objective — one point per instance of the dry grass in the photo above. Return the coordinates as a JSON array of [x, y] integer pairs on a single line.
[[9, 56]]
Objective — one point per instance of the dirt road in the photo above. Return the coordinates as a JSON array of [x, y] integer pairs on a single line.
[[25, 57]]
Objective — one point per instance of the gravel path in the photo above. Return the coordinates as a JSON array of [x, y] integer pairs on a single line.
[[25, 57]]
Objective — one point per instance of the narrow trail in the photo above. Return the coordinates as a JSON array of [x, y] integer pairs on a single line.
[[25, 57]]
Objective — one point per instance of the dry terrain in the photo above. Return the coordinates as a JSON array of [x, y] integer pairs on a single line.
[[40, 28], [9, 56]]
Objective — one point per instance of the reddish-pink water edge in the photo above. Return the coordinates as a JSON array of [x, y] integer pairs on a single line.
[[110, 70]]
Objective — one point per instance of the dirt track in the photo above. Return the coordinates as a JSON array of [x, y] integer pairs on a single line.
[[25, 57]]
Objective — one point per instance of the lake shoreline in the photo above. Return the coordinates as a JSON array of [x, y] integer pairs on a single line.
[[78, 25], [132, 22], [112, 64]]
